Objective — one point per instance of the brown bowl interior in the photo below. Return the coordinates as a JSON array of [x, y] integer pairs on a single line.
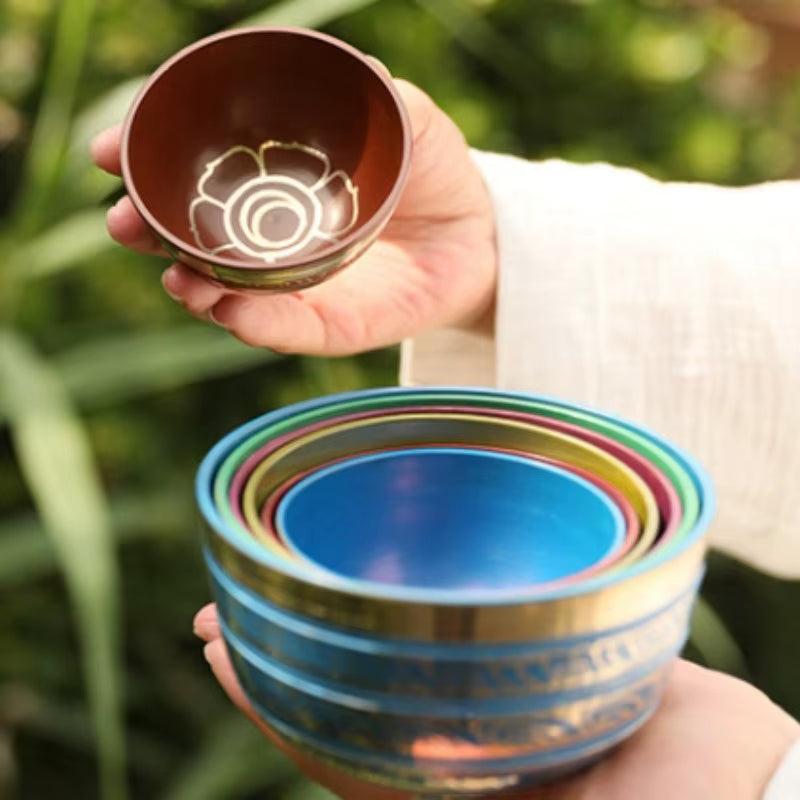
[[201, 167]]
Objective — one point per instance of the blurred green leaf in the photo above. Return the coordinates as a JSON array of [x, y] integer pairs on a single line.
[[665, 53], [306, 790], [306, 13], [51, 131], [68, 244], [90, 184], [52, 719], [56, 459], [234, 760], [479, 37], [332, 375], [119, 368], [710, 145], [27, 553], [714, 642]]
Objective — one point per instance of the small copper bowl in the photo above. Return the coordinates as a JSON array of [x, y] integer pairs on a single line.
[[267, 158]]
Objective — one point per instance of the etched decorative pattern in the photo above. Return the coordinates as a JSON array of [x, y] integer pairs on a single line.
[[575, 730], [553, 667], [271, 203], [431, 733]]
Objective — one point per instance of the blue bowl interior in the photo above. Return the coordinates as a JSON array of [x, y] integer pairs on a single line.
[[444, 518]]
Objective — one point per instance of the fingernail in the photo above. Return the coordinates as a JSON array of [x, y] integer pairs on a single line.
[[168, 281], [205, 628], [215, 320], [95, 145], [380, 65], [113, 209], [207, 651]]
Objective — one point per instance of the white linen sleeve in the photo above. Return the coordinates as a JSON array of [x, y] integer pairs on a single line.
[[674, 305], [785, 783]]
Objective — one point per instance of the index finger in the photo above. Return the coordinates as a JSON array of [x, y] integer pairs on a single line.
[[105, 150]]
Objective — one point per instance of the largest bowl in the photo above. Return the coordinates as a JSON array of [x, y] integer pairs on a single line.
[[603, 601]]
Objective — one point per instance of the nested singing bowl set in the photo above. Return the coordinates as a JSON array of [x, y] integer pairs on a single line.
[[452, 591]]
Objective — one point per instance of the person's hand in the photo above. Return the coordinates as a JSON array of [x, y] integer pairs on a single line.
[[435, 263], [713, 737]]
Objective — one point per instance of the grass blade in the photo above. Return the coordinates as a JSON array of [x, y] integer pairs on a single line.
[[331, 375], [86, 183], [306, 790], [235, 760], [51, 719], [27, 553], [51, 130], [479, 37], [67, 244], [57, 462], [306, 13], [117, 369]]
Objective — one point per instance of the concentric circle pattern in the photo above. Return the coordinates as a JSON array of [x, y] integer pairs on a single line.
[[450, 591]]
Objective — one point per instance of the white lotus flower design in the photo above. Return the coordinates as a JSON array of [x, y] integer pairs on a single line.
[[271, 203]]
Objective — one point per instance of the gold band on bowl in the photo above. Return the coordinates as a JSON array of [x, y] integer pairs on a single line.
[[616, 604]]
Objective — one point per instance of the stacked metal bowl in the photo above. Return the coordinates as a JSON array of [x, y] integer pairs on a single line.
[[452, 591]]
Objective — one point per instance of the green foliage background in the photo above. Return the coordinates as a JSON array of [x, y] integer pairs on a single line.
[[110, 395]]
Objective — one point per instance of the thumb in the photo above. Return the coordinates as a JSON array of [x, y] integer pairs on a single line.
[[336, 781]]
